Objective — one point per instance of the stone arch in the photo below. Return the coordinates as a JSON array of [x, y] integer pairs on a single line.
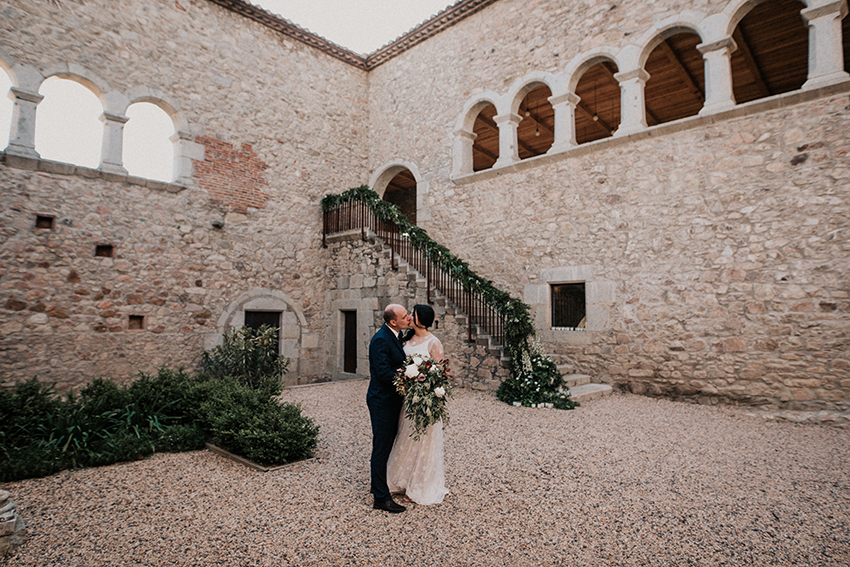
[[581, 63], [594, 82], [80, 74], [293, 324], [466, 141], [764, 65], [88, 143], [736, 10], [535, 132], [400, 183], [675, 87], [148, 142]]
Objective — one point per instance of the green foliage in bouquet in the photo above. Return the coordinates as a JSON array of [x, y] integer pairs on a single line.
[[519, 328], [425, 384], [250, 357]]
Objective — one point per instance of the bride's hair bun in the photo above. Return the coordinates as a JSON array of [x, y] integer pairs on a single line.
[[424, 314]]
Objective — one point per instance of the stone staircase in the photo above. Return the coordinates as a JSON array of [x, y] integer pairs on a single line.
[[580, 385]]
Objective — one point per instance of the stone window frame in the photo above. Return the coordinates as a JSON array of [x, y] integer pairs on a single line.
[[599, 296], [823, 18], [294, 336]]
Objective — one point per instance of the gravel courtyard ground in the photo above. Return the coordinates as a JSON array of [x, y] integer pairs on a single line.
[[624, 480]]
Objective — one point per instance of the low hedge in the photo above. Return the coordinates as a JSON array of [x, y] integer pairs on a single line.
[[42, 433]]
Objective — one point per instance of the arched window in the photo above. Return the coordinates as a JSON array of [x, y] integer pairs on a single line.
[[401, 192], [536, 131], [598, 111], [68, 126], [485, 147], [773, 51], [676, 85], [6, 106], [148, 149]]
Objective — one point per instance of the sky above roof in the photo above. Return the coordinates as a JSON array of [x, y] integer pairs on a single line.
[[362, 26]]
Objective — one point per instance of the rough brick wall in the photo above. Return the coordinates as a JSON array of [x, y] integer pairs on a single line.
[[231, 177]]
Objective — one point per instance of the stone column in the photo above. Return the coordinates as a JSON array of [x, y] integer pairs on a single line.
[[508, 151], [462, 152], [112, 152], [185, 150], [632, 102], [22, 135], [719, 95], [565, 122], [826, 55]]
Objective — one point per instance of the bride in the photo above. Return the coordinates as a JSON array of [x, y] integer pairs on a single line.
[[416, 467]]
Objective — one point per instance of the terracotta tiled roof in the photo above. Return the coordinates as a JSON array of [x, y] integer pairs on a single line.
[[442, 20]]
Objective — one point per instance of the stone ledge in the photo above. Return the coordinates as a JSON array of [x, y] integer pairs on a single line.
[[61, 168], [688, 123], [248, 463]]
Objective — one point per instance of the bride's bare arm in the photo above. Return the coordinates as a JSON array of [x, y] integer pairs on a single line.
[[435, 350]]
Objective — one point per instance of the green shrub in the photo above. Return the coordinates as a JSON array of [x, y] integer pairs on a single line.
[[42, 433], [254, 425], [250, 357], [536, 380]]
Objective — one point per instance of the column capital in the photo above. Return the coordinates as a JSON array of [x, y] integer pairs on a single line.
[[464, 134], [639, 74], [507, 117], [837, 9], [111, 117], [566, 97], [724, 43], [20, 94]]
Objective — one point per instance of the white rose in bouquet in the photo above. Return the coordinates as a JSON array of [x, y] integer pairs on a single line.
[[439, 391], [417, 360], [411, 371]]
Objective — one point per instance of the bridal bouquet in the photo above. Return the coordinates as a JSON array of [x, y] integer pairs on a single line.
[[425, 384]]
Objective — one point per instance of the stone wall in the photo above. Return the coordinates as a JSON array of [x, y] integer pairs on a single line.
[[272, 125], [716, 247]]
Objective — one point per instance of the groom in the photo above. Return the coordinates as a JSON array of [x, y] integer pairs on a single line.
[[385, 357]]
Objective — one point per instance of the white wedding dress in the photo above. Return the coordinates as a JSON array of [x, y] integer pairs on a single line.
[[416, 467]]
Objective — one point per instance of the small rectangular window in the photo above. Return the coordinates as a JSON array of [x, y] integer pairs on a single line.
[[568, 307], [44, 221], [136, 323], [104, 251]]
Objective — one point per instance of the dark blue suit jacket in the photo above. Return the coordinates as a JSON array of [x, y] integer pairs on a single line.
[[386, 355]]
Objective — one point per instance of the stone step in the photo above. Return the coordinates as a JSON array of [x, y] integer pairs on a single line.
[[574, 380], [588, 392]]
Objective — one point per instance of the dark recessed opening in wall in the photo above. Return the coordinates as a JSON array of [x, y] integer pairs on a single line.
[[598, 111], [349, 350], [536, 130], [569, 307], [676, 85], [401, 192], [44, 221], [485, 146], [136, 323], [104, 251], [256, 319], [773, 51]]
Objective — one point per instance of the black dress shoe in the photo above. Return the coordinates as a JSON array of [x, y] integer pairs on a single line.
[[388, 505]]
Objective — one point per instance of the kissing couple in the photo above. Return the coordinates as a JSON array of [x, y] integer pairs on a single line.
[[399, 463]]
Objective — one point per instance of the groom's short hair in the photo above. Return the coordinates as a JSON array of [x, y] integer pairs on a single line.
[[390, 312]]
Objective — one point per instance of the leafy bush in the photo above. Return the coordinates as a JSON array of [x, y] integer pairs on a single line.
[[250, 356], [42, 433], [254, 425]]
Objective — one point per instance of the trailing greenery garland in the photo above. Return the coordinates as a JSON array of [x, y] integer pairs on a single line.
[[518, 326]]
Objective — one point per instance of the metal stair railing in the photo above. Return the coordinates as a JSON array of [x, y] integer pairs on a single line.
[[357, 215]]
